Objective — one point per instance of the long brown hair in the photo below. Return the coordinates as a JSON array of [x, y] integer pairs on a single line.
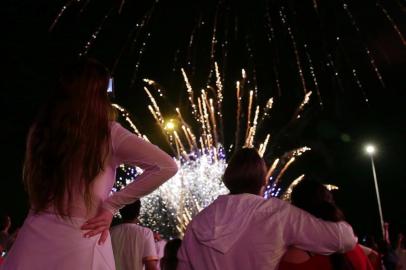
[[69, 141], [316, 199]]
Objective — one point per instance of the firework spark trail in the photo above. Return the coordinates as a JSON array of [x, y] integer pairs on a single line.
[[156, 113], [264, 145], [95, 34], [213, 121], [181, 146], [188, 133], [126, 116], [206, 118], [191, 39], [224, 45], [238, 113], [249, 109], [367, 51], [120, 8], [219, 97], [61, 12], [298, 152], [190, 94], [156, 108], [330, 63], [316, 6], [189, 140], [316, 84], [282, 172], [272, 168], [249, 142], [132, 40], [299, 109], [394, 25], [204, 137], [84, 6], [287, 194], [140, 54], [274, 47], [251, 63], [141, 50], [267, 109], [359, 84], [213, 42], [292, 38]]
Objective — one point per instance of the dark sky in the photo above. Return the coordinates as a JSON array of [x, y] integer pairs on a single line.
[[336, 132]]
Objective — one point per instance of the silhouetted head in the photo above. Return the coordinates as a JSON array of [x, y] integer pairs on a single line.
[[316, 199], [245, 173], [131, 211]]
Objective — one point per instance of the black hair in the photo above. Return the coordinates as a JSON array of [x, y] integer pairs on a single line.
[[316, 199], [131, 211]]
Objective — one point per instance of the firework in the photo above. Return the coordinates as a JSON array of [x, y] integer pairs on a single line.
[[171, 207]]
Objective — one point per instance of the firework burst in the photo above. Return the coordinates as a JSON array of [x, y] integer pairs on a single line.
[[200, 153]]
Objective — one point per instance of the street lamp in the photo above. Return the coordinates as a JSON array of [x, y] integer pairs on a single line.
[[370, 149]]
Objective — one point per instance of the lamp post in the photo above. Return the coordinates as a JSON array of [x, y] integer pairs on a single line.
[[370, 149]]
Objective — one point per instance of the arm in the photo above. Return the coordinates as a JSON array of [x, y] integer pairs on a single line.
[[150, 265], [149, 257], [157, 165], [307, 232]]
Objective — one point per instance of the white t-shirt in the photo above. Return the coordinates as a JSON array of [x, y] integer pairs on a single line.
[[132, 244], [160, 246]]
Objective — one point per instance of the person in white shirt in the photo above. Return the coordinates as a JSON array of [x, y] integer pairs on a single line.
[[133, 245], [243, 231], [160, 244]]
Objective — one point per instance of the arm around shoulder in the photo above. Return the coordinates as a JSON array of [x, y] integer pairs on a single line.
[[307, 232]]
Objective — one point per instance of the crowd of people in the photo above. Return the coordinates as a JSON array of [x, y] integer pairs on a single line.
[[73, 150]]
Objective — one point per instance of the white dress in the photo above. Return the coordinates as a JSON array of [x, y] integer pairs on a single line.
[[47, 241]]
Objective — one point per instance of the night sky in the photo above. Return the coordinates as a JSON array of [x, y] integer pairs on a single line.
[[336, 131]]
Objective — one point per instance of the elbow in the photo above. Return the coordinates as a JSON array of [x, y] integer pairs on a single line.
[[171, 168], [349, 240], [349, 244], [172, 171]]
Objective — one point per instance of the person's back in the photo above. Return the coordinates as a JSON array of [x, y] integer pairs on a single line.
[[244, 231], [133, 246]]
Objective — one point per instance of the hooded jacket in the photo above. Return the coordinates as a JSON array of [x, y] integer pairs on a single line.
[[245, 231]]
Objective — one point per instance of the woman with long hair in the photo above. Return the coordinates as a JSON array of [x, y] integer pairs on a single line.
[[73, 150], [316, 199]]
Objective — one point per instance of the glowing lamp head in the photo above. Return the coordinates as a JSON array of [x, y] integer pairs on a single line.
[[370, 149]]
